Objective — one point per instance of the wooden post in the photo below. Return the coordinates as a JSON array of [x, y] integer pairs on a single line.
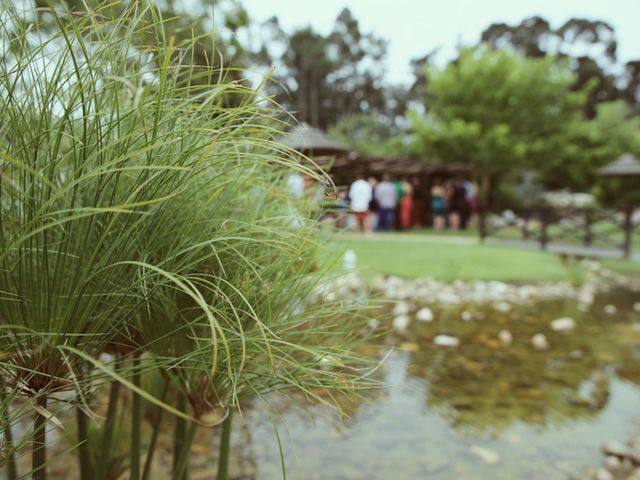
[[526, 214], [544, 238], [588, 234], [483, 205], [628, 230], [482, 223]]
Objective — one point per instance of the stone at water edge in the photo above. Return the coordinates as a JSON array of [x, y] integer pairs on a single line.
[[563, 324], [401, 323], [466, 316], [615, 448], [446, 341], [613, 464], [486, 455], [401, 308], [610, 309], [603, 474], [374, 324], [540, 342], [424, 314], [634, 453], [349, 261], [503, 307], [505, 337]]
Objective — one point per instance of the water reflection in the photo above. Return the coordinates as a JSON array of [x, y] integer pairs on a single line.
[[478, 411]]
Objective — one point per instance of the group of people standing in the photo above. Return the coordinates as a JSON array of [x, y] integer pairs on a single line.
[[401, 204]]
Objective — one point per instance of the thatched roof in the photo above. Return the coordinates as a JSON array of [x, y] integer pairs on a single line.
[[626, 165], [312, 141]]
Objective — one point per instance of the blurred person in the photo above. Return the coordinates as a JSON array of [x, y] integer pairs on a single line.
[[419, 203], [406, 204], [360, 195], [457, 204], [469, 195], [373, 206], [399, 196], [386, 196], [438, 205]]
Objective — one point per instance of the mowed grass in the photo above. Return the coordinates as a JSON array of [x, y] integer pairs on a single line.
[[450, 260], [625, 267]]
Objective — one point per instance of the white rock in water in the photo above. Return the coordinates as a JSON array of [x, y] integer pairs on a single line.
[[349, 261], [503, 307], [505, 337], [401, 322], [374, 324], [603, 474], [424, 314], [401, 308], [586, 296], [613, 464], [485, 454], [610, 309], [636, 307], [615, 448], [446, 341], [466, 316], [563, 324], [539, 342]]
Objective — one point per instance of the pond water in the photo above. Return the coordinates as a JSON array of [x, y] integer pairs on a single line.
[[481, 410]]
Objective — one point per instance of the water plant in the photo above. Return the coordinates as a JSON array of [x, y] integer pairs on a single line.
[[145, 230]]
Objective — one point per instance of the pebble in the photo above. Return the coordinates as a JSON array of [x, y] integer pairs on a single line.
[[505, 337], [610, 309], [615, 448], [563, 324], [401, 323], [636, 307], [613, 464], [446, 341], [466, 316], [634, 453], [424, 315], [374, 324], [488, 456], [540, 342], [603, 474], [503, 307], [401, 308]]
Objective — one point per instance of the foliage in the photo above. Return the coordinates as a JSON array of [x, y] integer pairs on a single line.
[[327, 77], [590, 43], [370, 134], [497, 111], [591, 145], [145, 226]]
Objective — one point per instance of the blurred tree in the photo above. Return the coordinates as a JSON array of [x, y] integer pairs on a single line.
[[325, 78], [534, 37], [497, 111], [370, 134], [591, 145]]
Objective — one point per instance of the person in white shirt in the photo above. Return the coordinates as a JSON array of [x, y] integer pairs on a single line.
[[360, 194]]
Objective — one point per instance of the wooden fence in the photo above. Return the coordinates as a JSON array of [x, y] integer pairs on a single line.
[[613, 229]]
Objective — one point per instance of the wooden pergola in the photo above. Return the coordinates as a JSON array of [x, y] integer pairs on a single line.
[[349, 166]]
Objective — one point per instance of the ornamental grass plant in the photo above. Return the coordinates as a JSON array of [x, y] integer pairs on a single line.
[[146, 230]]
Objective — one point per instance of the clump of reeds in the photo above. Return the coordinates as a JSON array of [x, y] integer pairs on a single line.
[[144, 229]]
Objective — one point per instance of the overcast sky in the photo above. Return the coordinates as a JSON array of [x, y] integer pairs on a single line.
[[415, 27]]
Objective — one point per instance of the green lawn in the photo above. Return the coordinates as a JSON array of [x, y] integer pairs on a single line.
[[623, 266], [453, 259]]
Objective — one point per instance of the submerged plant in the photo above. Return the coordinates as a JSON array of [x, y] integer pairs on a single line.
[[144, 228]]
